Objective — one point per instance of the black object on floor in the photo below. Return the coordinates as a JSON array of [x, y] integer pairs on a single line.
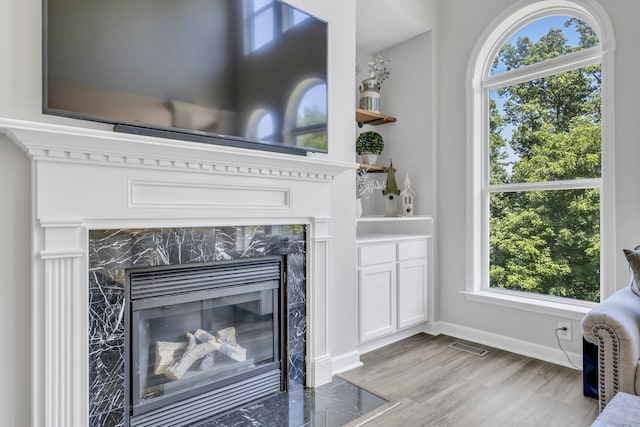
[[589, 369]]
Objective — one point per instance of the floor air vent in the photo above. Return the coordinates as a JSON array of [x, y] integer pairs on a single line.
[[469, 349]]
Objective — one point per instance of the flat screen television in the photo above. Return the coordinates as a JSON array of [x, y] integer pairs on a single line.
[[247, 73]]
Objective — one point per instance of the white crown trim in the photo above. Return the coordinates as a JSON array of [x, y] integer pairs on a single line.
[[56, 143]]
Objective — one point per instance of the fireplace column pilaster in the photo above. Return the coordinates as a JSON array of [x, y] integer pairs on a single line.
[[60, 327], [320, 369]]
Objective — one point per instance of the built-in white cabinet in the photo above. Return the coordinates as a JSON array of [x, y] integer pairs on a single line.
[[412, 292], [377, 290], [393, 275]]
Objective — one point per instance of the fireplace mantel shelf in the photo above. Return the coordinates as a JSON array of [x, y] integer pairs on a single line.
[[52, 142]]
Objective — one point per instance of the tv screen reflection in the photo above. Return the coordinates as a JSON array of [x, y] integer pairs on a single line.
[[250, 70]]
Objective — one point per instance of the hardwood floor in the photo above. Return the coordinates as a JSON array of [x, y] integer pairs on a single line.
[[440, 386]]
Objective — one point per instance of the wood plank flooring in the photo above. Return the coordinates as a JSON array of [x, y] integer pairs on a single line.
[[440, 386]]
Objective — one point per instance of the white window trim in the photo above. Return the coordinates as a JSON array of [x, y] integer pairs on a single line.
[[574, 310], [479, 82]]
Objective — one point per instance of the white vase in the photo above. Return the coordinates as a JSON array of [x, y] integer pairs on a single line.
[[369, 158], [358, 208]]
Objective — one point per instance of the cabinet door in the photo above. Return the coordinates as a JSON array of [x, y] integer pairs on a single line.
[[412, 292], [377, 288]]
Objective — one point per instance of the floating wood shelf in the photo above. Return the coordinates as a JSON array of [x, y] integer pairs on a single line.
[[366, 117], [373, 168]]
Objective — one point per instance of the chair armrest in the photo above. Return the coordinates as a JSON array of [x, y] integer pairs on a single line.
[[614, 325]]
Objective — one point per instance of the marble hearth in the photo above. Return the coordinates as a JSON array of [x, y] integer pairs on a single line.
[[86, 180]]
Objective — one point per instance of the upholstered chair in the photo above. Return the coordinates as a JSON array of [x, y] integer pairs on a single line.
[[614, 325]]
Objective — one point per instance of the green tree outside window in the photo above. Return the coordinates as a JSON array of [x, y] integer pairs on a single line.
[[547, 129]]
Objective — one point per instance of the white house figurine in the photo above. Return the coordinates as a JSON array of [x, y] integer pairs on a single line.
[[406, 195]]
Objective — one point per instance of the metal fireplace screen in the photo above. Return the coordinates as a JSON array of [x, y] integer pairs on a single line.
[[203, 338]]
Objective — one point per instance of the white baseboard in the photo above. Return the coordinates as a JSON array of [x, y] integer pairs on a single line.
[[346, 362], [320, 371], [513, 345], [390, 339], [351, 360]]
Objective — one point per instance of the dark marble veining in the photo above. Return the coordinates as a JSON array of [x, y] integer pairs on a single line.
[[111, 252], [331, 405]]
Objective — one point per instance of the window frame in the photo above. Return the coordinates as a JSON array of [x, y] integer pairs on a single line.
[[283, 20], [479, 84], [250, 17], [291, 129]]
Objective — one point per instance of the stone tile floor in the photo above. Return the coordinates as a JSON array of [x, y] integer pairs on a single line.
[[331, 405]]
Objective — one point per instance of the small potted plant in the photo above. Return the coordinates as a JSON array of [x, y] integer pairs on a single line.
[[378, 68], [369, 145]]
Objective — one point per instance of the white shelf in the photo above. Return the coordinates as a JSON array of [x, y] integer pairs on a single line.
[[387, 237], [379, 228], [382, 218]]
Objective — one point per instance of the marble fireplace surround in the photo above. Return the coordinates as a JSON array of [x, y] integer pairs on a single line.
[[85, 179]]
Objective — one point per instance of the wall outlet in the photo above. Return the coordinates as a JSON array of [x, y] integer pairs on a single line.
[[564, 335]]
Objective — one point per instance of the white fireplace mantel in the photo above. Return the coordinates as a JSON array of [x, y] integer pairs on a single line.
[[88, 179]]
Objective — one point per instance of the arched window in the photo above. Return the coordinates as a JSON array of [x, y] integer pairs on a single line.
[[264, 129], [306, 117], [537, 145], [261, 125]]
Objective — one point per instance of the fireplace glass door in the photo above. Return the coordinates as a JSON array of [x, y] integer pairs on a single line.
[[183, 344]]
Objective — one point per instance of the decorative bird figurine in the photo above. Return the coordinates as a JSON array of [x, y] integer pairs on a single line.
[[391, 192]]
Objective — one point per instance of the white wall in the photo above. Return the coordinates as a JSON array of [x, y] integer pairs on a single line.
[[15, 283], [20, 89], [462, 23], [343, 322]]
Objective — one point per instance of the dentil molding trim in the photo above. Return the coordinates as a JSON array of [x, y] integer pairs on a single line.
[[50, 142]]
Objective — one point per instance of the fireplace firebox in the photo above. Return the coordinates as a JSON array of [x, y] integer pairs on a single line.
[[203, 338]]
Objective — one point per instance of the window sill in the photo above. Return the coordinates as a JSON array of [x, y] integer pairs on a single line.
[[553, 308]]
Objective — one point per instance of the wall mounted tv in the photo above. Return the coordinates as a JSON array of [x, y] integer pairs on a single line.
[[247, 73]]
